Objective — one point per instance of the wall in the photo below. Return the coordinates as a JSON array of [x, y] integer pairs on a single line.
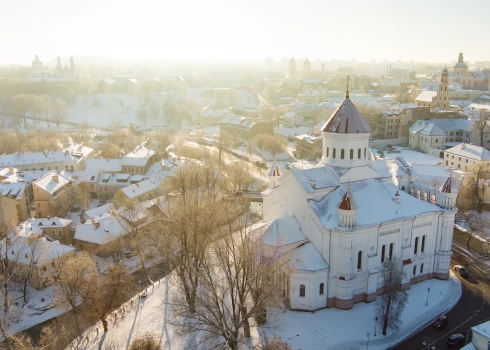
[[477, 244], [402, 141]]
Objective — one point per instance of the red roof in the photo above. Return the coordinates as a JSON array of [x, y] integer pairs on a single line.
[[347, 202], [447, 187], [347, 120]]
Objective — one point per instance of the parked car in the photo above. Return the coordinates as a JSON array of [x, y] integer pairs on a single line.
[[455, 339], [462, 271], [440, 322]]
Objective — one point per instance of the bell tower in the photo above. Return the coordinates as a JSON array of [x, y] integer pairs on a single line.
[[443, 94]]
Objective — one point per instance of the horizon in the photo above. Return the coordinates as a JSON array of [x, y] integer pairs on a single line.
[[245, 32]]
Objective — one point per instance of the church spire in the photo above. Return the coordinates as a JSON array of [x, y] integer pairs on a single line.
[[347, 91]]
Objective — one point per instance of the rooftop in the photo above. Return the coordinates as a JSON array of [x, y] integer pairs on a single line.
[[347, 120], [470, 151]]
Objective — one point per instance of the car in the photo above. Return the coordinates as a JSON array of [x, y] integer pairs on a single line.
[[440, 322], [455, 339], [462, 271]]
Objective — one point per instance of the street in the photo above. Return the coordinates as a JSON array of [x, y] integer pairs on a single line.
[[472, 309]]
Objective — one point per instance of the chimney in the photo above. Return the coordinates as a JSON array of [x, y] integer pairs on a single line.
[[397, 197], [55, 178], [313, 183], [96, 224]]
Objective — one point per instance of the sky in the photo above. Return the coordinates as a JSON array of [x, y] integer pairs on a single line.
[[231, 30]]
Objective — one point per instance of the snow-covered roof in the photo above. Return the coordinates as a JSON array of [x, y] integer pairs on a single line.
[[308, 258], [452, 124], [90, 176], [470, 151], [372, 197], [50, 222], [309, 138], [426, 96], [99, 211], [275, 170], [138, 189], [324, 177], [348, 202], [12, 186], [282, 232], [104, 165], [426, 128], [139, 157], [483, 329], [46, 251], [102, 231], [52, 181]]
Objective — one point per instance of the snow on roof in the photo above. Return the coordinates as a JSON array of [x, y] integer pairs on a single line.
[[432, 174], [12, 189], [275, 170], [452, 124], [139, 157], [372, 197], [324, 177], [309, 138], [99, 211], [308, 258], [52, 181], [426, 96], [389, 167], [281, 232], [427, 128], [483, 329], [470, 151], [137, 189], [50, 222], [102, 231], [85, 176], [73, 152], [104, 165]]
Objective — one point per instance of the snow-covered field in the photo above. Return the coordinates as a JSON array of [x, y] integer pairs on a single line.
[[324, 329], [411, 156]]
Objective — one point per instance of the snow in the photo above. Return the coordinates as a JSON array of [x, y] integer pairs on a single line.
[[412, 157], [483, 328], [282, 231], [104, 165], [299, 130], [325, 329], [469, 151], [308, 258]]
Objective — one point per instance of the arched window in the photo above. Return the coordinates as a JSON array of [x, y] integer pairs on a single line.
[[434, 198], [321, 288], [359, 260], [422, 248], [421, 268], [383, 249], [351, 154], [342, 153], [414, 270], [364, 153], [403, 188], [416, 246], [334, 153], [302, 290], [392, 247], [328, 149], [359, 153]]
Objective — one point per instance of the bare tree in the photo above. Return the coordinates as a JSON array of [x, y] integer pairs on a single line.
[[47, 104], [480, 125], [32, 253], [392, 303], [82, 194], [143, 114], [60, 111]]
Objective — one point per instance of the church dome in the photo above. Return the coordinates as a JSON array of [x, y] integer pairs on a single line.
[[347, 120], [36, 60], [444, 71]]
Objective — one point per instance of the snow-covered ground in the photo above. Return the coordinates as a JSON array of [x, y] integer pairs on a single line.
[[300, 130], [324, 329], [411, 156]]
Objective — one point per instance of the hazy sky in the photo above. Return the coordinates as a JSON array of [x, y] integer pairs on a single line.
[[423, 30]]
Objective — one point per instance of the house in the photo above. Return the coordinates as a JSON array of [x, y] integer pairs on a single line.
[[104, 165], [14, 197], [73, 157], [108, 184], [244, 127], [52, 194], [138, 161], [342, 219], [457, 130], [426, 136], [464, 155], [142, 191], [54, 229]]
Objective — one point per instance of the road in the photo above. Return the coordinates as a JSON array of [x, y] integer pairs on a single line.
[[472, 309]]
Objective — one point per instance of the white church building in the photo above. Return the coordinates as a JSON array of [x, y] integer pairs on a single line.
[[345, 217]]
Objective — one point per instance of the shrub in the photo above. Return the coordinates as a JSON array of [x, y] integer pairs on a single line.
[[146, 342]]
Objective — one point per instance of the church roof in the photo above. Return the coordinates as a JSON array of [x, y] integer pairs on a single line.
[[347, 120], [448, 186], [347, 202], [275, 170]]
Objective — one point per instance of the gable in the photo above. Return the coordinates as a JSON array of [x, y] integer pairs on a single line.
[[358, 174]]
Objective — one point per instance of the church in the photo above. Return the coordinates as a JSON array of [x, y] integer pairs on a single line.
[[343, 218]]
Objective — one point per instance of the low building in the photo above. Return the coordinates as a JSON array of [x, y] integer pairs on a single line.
[[244, 127], [309, 146], [456, 129], [290, 120], [73, 157], [425, 136], [51, 195], [54, 229], [14, 197], [138, 161], [427, 99], [142, 191], [108, 184], [464, 155], [104, 165], [480, 337]]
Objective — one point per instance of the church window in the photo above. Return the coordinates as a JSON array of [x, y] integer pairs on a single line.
[[342, 153], [351, 154], [433, 200], [415, 270], [437, 140], [359, 260], [421, 268], [359, 153], [416, 246], [328, 151], [302, 290], [364, 153], [392, 246], [334, 153], [422, 247], [383, 249], [321, 288]]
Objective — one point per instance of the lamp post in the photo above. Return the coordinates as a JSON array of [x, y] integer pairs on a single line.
[[368, 341], [428, 292], [426, 343], [375, 325]]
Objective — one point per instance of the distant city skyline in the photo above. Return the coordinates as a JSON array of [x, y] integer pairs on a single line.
[[430, 31]]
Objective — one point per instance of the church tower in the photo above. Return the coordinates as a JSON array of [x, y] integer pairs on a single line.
[[346, 136], [292, 66], [58, 71], [443, 94], [460, 67], [274, 174], [306, 68], [347, 210]]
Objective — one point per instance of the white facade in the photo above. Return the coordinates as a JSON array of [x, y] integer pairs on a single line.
[[352, 214]]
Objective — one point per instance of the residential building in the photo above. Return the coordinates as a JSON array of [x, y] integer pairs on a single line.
[[342, 219], [425, 136], [309, 146], [244, 127], [52, 193], [470, 80], [14, 197], [108, 184], [464, 155], [457, 130], [54, 229], [290, 120], [138, 161], [73, 157], [141, 191], [104, 165]]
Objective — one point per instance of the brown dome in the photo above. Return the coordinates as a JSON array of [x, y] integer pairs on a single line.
[[347, 120]]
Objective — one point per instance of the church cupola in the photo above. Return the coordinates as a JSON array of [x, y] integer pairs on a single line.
[[274, 173], [346, 136], [347, 210]]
